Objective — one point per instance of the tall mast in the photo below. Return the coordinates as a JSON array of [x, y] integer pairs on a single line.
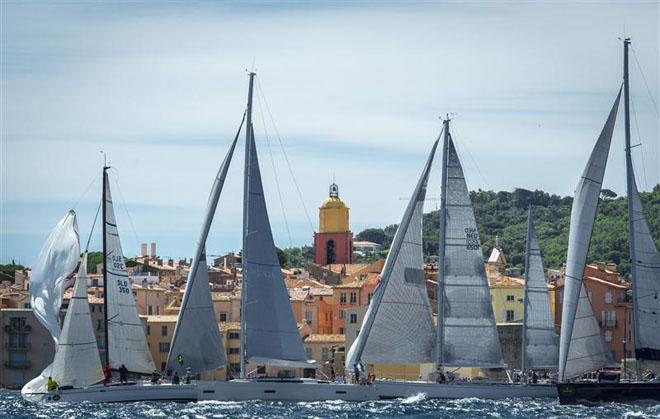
[[527, 249], [105, 267], [629, 191], [248, 151], [441, 247]]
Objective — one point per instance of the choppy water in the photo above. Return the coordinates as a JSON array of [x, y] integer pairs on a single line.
[[13, 406]]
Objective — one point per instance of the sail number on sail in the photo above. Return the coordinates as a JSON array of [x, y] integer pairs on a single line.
[[472, 239]]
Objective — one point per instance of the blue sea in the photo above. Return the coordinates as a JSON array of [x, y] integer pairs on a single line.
[[13, 406]]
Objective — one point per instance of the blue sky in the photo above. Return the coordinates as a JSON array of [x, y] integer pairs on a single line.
[[355, 90]]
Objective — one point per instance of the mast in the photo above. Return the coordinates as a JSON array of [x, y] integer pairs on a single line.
[[441, 247], [527, 251], [248, 141], [105, 268], [629, 191]]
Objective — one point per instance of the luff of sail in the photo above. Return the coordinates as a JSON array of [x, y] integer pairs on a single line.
[[271, 333], [196, 342], [77, 362], [646, 281], [469, 336], [582, 346], [540, 348], [398, 326], [127, 344]]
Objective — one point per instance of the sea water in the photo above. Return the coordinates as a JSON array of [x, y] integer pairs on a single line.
[[13, 406]]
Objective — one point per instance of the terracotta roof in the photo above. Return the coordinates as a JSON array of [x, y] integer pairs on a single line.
[[504, 281], [299, 283], [162, 319], [325, 339]]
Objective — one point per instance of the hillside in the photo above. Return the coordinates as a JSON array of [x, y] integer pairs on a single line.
[[504, 214]]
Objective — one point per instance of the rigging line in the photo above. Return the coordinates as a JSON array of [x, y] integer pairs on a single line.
[[277, 182], [467, 149], [85, 192], [648, 90], [639, 138], [286, 158], [92, 229], [123, 202]]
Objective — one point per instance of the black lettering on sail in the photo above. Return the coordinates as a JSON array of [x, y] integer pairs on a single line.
[[472, 241]]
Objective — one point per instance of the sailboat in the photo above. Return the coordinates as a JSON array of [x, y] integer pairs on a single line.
[[582, 346], [77, 365], [398, 327]]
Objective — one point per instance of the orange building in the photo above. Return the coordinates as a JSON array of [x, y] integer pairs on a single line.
[[608, 294], [334, 241], [356, 293]]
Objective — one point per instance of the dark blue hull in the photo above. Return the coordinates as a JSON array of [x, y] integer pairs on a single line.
[[572, 393]]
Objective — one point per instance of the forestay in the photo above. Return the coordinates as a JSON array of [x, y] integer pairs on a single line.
[[646, 281], [582, 347], [271, 333], [469, 335], [540, 341], [77, 362], [398, 326], [196, 343], [127, 344]]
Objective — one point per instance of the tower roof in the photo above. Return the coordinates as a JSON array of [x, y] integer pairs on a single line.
[[333, 200]]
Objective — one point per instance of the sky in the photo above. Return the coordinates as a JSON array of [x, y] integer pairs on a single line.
[[348, 91]]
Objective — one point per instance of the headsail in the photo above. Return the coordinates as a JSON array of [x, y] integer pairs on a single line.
[[398, 327], [469, 333], [540, 348], [77, 362], [127, 344], [196, 343], [270, 332], [582, 347]]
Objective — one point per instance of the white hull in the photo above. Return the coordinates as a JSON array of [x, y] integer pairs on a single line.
[[315, 390], [133, 392]]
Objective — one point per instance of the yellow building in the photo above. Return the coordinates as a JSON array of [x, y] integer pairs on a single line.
[[334, 241], [159, 336]]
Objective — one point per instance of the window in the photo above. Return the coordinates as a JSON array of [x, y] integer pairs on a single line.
[[309, 315], [353, 318], [234, 335], [342, 298], [330, 254], [341, 330], [163, 330], [325, 354], [308, 353], [369, 297], [608, 336], [510, 315], [353, 297], [157, 310], [608, 297], [150, 311], [223, 317], [609, 318], [510, 298], [233, 351], [164, 347], [17, 323], [342, 314], [148, 330]]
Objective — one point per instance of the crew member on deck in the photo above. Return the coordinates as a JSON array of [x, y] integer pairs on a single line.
[[52, 384]]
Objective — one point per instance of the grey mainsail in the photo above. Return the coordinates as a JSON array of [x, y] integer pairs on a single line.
[[196, 343], [398, 326], [540, 348], [270, 334], [469, 333], [582, 346], [127, 344]]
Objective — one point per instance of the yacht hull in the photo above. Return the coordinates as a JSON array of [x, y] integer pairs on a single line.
[[576, 393], [133, 392]]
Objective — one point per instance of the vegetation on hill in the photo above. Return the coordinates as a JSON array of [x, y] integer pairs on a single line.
[[7, 272]]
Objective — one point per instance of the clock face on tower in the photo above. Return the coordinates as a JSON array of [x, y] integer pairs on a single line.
[[334, 190]]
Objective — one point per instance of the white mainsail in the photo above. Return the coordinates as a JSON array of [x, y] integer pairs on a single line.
[[127, 344], [77, 362], [540, 348], [398, 326], [57, 259], [197, 343], [582, 347], [469, 334]]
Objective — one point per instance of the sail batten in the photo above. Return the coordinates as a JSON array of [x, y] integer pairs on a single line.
[[398, 326], [582, 347]]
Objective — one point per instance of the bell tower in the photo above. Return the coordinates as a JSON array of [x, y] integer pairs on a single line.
[[334, 241]]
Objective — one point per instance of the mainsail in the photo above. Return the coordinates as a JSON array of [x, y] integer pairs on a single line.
[[196, 343], [398, 327], [270, 334], [127, 344], [77, 362], [540, 348], [468, 335], [582, 347]]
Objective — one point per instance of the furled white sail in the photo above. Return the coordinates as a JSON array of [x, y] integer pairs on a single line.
[[646, 281], [77, 362], [196, 343], [469, 335], [582, 347], [540, 349], [398, 327], [127, 344], [57, 259], [271, 333]]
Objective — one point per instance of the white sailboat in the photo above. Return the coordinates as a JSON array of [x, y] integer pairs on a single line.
[[582, 346]]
